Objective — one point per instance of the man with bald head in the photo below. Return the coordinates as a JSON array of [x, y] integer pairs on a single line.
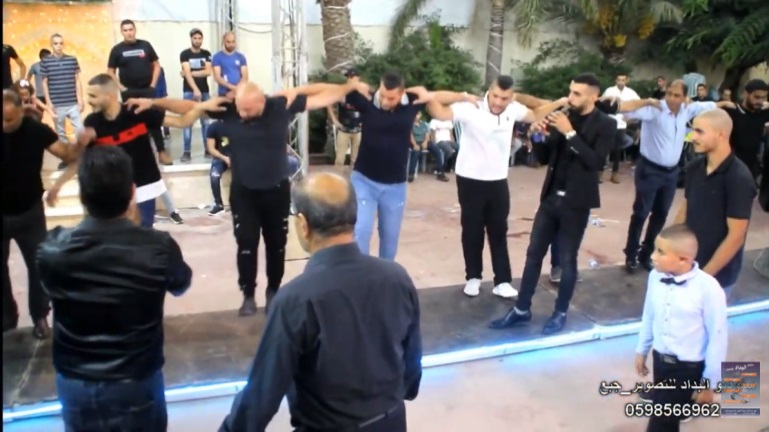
[[256, 128], [346, 373], [230, 66], [663, 130], [719, 198]]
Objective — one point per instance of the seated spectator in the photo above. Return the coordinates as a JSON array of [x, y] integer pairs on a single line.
[[420, 141]]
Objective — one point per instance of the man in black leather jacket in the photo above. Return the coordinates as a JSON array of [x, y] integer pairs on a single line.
[[107, 279]]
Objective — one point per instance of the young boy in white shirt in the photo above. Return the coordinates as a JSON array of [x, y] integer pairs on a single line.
[[684, 323]]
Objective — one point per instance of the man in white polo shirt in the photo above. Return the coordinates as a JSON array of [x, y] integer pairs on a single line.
[[481, 169], [620, 92], [443, 137]]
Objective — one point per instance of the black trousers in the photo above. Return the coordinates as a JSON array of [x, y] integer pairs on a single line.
[[485, 206], [392, 421], [554, 218], [670, 368], [28, 230], [655, 188], [218, 167], [255, 212], [149, 92]]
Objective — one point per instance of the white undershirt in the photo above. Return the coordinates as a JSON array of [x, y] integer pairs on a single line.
[[442, 130], [624, 95]]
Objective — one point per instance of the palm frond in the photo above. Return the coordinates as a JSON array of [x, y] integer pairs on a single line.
[[529, 14], [407, 13], [743, 42]]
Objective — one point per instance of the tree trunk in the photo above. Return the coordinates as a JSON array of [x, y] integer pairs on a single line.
[[337, 35], [496, 41], [732, 79]]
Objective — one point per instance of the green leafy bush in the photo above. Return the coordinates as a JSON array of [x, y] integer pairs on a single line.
[[545, 78], [426, 56]]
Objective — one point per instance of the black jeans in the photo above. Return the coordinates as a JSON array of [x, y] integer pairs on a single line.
[[392, 421], [669, 368], [485, 206], [255, 212], [149, 92], [122, 406], [28, 230], [554, 218], [655, 188], [218, 167]]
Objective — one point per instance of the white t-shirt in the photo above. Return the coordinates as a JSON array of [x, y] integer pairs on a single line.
[[624, 95], [442, 129], [484, 145]]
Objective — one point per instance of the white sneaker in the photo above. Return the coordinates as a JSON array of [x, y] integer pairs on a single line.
[[472, 287], [504, 290]]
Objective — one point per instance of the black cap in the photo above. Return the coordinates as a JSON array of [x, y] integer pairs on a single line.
[[351, 72], [196, 31]]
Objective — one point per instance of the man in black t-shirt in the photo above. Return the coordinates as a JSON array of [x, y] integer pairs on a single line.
[[111, 123], [196, 68], [133, 63], [347, 120], [259, 192], [750, 118], [25, 140], [9, 53], [216, 146]]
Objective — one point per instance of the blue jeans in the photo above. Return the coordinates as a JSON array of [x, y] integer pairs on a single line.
[[385, 202], [122, 406], [218, 167], [415, 157], [293, 165], [203, 123], [147, 213]]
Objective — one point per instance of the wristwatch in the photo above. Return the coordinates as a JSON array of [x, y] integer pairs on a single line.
[[571, 135]]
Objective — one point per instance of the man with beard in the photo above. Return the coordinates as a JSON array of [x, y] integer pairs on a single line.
[[25, 140], [719, 198], [482, 169], [229, 66], [750, 118], [112, 123], [136, 63], [663, 130], [196, 68], [575, 150], [256, 129]]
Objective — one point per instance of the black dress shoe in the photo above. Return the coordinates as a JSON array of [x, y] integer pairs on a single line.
[[555, 323], [269, 294], [41, 330], [248, 307], [512, 319], [631, 265], [645, 263], [646, 396], [10, 322]]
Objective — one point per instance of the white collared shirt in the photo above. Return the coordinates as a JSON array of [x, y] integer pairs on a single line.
[[686, 319], [624, 95], [486, 139]]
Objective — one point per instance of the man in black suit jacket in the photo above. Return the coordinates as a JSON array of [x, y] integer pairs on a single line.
[[575, 150]]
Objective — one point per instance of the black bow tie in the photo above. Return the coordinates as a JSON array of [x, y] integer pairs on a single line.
[[672, 281]]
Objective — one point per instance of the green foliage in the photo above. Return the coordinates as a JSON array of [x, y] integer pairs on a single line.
[[550, 80], [427, 56]]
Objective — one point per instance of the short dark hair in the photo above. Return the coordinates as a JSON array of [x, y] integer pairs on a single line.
[[106, 179], [684, 86], [196, 31], [44, 53], [756, 85], [701, 85], [12, 96], [589, 80], [101, 80], [127, 22], [622, 74], [393, 80], [504, 82], [323, 218]]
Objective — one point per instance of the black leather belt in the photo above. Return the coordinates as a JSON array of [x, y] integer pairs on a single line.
[[658, 166], [673, 360], [382, 416]]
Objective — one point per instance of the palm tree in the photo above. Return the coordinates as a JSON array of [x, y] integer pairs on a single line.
[[614, 22], [337, 35]]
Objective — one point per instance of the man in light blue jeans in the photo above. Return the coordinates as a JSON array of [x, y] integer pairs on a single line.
[[380, 171], [203, 125]]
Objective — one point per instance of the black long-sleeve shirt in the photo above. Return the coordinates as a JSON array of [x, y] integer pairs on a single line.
[[108, 280], [342, 341]]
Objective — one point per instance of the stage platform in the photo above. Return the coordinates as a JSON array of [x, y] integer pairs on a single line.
[[208, 354]]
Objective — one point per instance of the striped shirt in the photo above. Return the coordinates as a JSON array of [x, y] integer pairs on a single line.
[[62, 79]]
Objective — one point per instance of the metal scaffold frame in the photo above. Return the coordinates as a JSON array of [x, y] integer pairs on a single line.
[[289, 64], [227, 18]]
